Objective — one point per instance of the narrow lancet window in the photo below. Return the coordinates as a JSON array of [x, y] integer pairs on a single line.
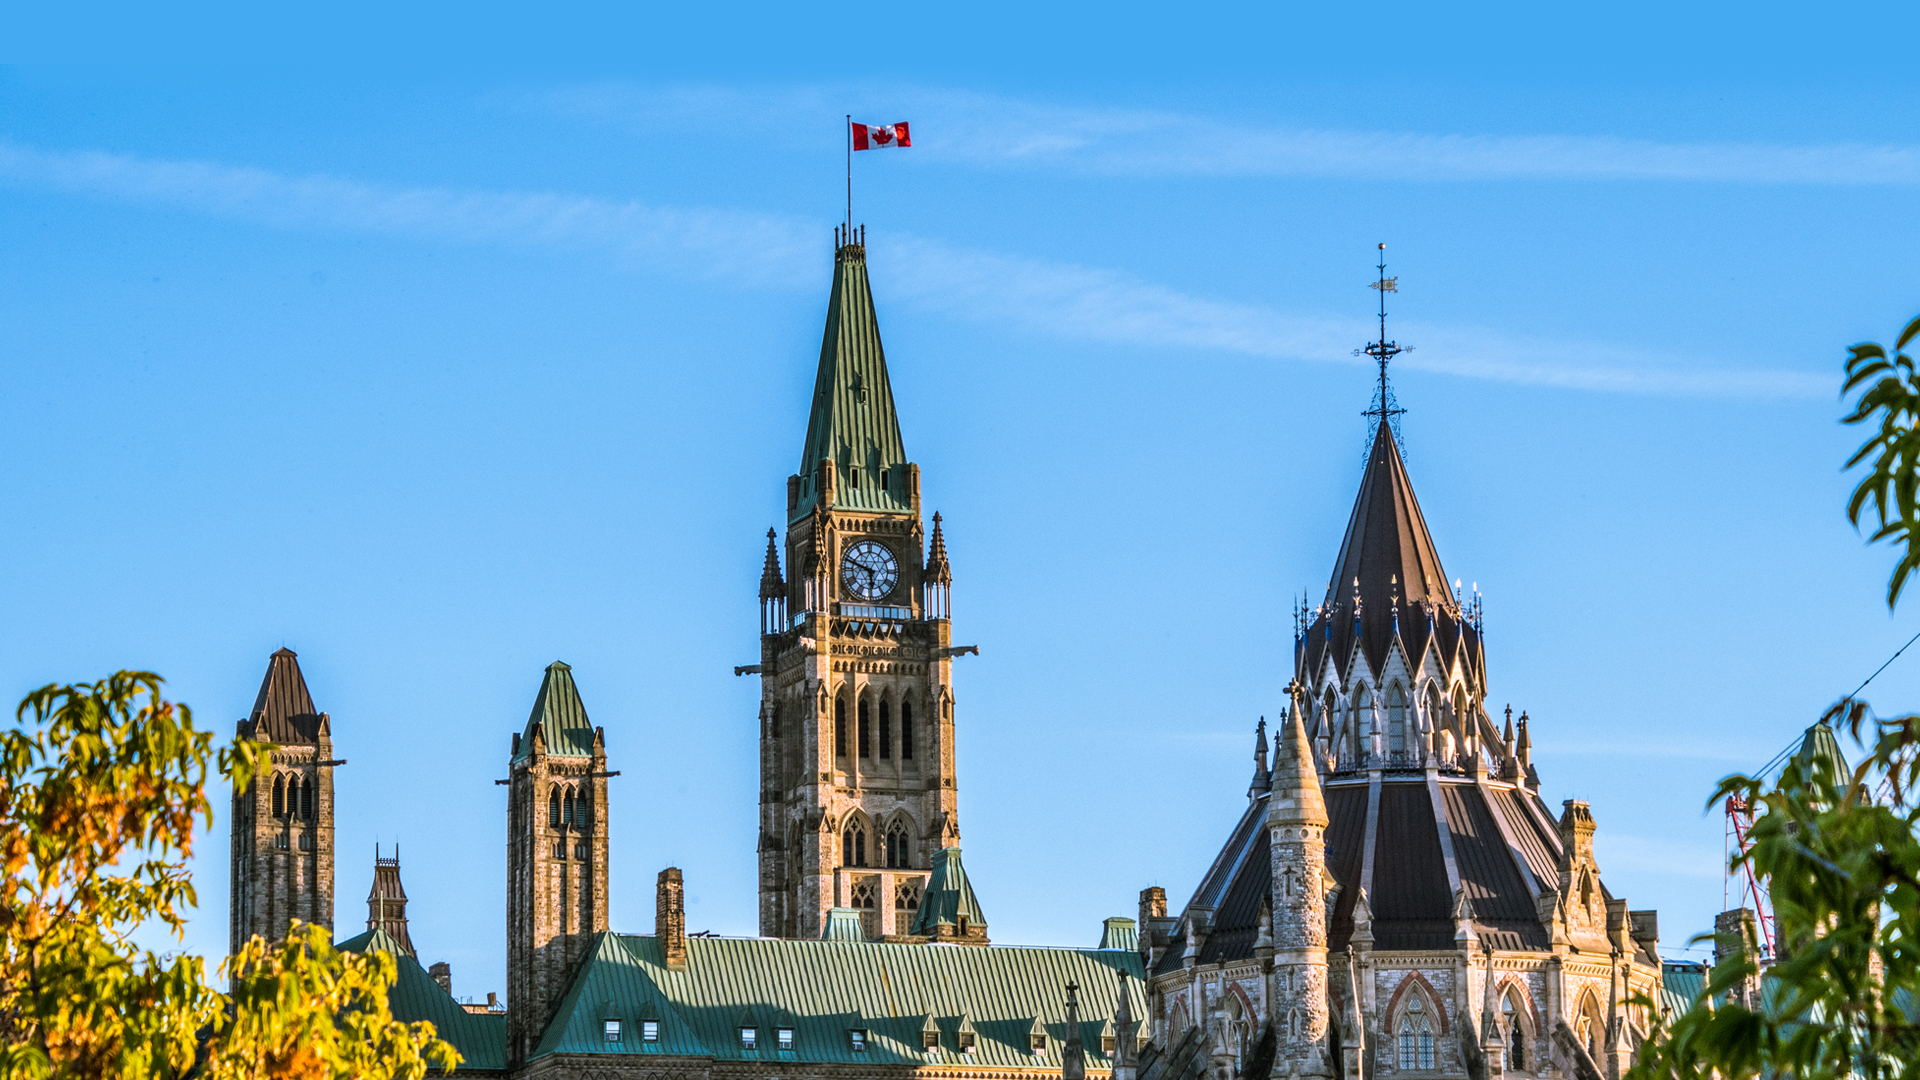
[[906, 731], [886, 731]]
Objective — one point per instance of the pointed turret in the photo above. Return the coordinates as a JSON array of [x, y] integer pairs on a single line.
[[1126, 1049], [283, 711], [387, 901], [938, 570], [948, 910], [1296, 799], [559, 717], [853, 427]]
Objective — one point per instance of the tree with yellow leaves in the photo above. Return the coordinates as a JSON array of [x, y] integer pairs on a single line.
[[100, 786]]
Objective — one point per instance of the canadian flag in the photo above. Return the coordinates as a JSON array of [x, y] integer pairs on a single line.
[[873, 137]]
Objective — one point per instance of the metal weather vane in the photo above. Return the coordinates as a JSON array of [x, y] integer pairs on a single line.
[[1385, 406]]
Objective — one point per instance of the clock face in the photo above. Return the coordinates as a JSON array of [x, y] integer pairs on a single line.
[[869, 571]]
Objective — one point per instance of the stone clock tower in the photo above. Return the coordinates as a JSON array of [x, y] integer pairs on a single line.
[[857, 780]]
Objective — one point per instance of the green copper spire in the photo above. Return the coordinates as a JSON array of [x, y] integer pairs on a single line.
[[559, 716], [853, 421]]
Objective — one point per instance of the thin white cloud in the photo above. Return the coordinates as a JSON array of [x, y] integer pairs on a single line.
[[1068, 302], [1004, 132]]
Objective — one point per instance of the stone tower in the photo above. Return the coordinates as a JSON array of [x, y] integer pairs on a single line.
[[282, 823], [387, 900], [858, 789], [1296, 827], [556, 855]]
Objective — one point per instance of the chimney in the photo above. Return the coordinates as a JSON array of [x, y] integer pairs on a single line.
[[442, 973], [670, 919], [493, 1001]]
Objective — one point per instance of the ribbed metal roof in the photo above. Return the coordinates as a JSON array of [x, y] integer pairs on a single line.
[[824, 989], [560, 716], [481, 1038], [1388, 554], [853, 421], [1820, 743], [949, 896], [283, 710], [1119, 933]]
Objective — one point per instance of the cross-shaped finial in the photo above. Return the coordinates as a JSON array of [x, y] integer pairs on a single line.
[[1385, 407]]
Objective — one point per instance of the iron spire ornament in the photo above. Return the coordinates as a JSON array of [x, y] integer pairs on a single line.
[[1385, 406]]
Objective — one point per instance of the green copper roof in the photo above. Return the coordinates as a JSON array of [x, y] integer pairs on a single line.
[[823, 989], [481, 1038], [949, 895], [1120, 933], [560, 715], [853, 420], [1820, 742], [844, 924]]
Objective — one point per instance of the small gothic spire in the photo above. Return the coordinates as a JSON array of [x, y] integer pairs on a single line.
[[1126, 1049], [1073, 1060], [938, 570], [772, 585], [1261, 779]]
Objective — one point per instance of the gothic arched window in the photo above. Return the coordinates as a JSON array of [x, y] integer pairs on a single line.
[[866, 745], [886, 730], [566, 808], [553, 808], [840, 727], [1362, 722], [1516, 1035], [853, 846], [1416, 1035], [1396, 721], [906, 731], [279, 796], [899, 856], [580, 815], [306, 800]]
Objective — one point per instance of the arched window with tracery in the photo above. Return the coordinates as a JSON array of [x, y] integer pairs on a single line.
[[864, 736], [1416, 1035], [279, 795], [1396, 722], [840, 727], [853, 845], [1587, 1027], [906, 731], [899, 853], [886, 730]]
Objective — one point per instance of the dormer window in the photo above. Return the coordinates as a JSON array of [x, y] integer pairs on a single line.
[[1039, 1044], [857, 1040], [650, 1031], [610, 1030], [783, 1038], [965, 1039], [930, 1040], [749, 1038], [1106, 1045]]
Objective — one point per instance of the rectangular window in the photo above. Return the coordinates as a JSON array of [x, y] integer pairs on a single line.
[[783, 1038], [857, 1040], [966, 1042], [749, 1038], [306, 841], [610, 1030], [1106, 1045], [930, 1040], [1039, 1044], [280, 841], [649, 1031]]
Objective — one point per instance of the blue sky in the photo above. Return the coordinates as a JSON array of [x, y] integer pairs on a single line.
[[489, 344]]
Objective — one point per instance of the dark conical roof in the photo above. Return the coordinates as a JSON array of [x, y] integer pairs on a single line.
[[853, 420], [1388, 565], [949, 896], [283, 711], [560, 716]]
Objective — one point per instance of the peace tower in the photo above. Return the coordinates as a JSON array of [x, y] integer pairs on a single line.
[[858, 791]]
